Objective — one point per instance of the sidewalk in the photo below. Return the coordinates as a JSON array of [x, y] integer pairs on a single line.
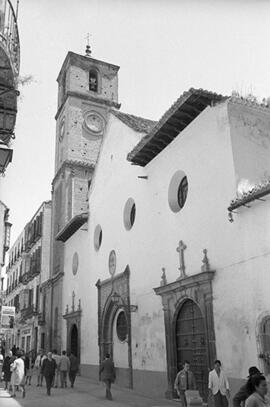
[[86, 393]]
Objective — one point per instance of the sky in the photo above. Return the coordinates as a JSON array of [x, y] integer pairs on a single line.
[[163, 47]]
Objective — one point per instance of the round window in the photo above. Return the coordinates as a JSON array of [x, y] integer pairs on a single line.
[[178, 190], [112, 263], [75, 263], [121, 326], [129, 213], [97, 237]]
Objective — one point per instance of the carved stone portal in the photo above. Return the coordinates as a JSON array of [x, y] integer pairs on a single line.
[[189, 325], [107, 309], [73, 320]]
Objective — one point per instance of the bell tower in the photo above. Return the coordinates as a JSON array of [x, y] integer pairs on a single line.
[[87, 90]]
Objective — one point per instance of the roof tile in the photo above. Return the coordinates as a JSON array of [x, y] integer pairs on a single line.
[[136, 123]]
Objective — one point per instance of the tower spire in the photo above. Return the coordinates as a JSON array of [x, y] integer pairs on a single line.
[[88, 48]]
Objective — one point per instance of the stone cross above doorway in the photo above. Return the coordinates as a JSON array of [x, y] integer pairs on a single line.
[[180, 249]]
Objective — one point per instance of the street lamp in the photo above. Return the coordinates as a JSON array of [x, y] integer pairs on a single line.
[[5, 157], [118, 301]]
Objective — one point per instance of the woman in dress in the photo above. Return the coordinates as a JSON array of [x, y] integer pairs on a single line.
[[17, 376], [257, 387], [6, 369]]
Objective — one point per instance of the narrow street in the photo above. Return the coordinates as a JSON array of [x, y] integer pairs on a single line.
[[84, 394]]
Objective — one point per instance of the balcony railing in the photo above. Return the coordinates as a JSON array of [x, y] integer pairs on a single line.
[[9, 34], [41, 319], [28, 312]]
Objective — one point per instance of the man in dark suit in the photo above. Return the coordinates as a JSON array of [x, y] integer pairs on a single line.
[[48, 370], [107, 372]]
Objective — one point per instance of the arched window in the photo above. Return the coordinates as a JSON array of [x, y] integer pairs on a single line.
[[93, 80]]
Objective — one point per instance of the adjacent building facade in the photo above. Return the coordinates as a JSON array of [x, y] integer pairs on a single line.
[[27, 277], [5, 227], [9, 71]]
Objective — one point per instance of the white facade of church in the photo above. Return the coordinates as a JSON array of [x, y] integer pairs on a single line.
[[213, 297]]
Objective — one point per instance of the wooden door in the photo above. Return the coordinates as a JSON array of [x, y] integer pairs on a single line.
[[191, 344]]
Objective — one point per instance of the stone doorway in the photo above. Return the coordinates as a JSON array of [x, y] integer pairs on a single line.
[[115, 338], [74, 340], [73, 320], [191, 343], [189, 323]]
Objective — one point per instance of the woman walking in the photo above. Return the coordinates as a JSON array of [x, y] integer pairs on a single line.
[[6, 369], [257, 387], [17, 376]]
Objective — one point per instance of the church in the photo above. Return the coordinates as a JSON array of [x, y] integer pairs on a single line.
[[160, 232]]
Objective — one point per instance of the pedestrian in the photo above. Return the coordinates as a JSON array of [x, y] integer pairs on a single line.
[[6, 369], [184, 380], [64, 366], [107, 372], [56, 357], [73, 370], [1, 365], [38, 364], [17, 376], [244, 391], [14, 350], [28, 368], [48, 371], [257, 388], [219, 385]]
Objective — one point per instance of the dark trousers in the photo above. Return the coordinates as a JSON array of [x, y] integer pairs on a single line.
[[49, 382], [220, 400], [72, 377], [182, 397], [108, 384], [63, 378]]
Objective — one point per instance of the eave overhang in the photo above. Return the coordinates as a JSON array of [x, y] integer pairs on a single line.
[[72, 226], [176, 119], [256, 193]]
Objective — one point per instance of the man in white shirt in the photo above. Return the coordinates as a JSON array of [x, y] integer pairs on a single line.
[[219, 385]]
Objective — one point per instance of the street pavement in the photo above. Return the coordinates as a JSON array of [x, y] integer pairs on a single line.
[[85, 393]]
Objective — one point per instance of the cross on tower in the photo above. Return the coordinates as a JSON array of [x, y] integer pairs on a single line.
[[180, 249], [88, 48]]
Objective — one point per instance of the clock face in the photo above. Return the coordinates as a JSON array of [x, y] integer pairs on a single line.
[[62, 130], [94, 123]]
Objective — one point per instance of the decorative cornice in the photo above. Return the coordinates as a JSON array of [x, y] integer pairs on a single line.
[[125, 273], [71, 164], [88, 97], [186, 282], [73, 314]]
